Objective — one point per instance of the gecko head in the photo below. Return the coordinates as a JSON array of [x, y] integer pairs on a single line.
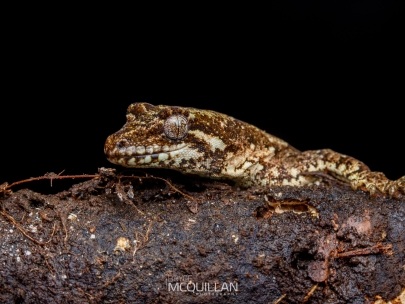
[[185, 139]]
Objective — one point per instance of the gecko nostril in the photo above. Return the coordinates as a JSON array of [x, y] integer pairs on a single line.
[[123, 143]]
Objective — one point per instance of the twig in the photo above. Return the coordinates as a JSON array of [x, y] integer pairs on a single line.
[[310, 293], [364, 251], [279, 299]]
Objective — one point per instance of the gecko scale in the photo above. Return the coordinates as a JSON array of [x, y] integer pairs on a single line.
[[215, 145]]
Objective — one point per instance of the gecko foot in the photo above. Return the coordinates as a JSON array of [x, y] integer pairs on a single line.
[[397, 186]]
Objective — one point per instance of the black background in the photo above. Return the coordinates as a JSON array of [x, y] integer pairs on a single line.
[[316, 75]]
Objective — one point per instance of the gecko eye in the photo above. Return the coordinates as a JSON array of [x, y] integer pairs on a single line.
[[176, 127]]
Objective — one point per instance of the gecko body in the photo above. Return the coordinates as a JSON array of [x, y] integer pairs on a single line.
[[215, 145]]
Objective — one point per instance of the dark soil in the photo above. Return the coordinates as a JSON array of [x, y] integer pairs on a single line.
[[132, 240]]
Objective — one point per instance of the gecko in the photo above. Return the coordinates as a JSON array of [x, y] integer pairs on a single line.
[[215, 145]]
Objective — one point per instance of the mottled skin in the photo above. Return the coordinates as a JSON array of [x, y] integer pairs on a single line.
[[219, 146]]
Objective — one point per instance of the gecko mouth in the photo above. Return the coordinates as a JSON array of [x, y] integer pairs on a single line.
[[131, 155]]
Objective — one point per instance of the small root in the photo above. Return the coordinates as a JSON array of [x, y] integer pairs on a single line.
[[145, 238], [112, 280], [51, 176], [5, 187], [160, 178], [24, 232]]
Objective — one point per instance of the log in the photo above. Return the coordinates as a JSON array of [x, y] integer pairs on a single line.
[[170, 238]]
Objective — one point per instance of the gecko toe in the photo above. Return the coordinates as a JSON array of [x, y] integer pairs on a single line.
[[397, 188], [371, 188]]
